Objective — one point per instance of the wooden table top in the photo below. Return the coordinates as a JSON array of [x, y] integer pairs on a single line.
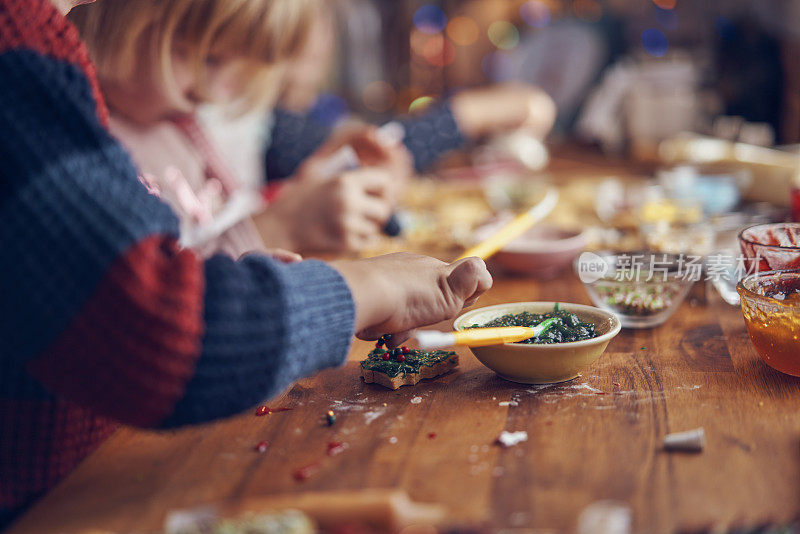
[[593, 439]]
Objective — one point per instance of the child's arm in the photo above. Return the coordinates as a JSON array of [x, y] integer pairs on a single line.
[[470, 114], [296, 137], [504, 108], [102, 308]]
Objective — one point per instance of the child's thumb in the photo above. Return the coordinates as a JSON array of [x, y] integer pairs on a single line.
[[468, 278]]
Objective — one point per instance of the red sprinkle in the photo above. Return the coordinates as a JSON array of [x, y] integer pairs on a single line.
[[401, 358], [262, 446], [304, 473], [336, 447], [405, 349], [432, 435], [386, 356], [266, 410], [601, 392]]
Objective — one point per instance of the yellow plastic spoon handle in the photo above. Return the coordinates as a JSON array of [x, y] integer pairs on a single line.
[[515, 228]]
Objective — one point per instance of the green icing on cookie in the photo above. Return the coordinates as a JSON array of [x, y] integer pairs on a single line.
[[414, 361]]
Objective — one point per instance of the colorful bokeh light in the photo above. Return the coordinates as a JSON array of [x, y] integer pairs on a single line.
[[438, 51], [379, 96], [417, 41], [463, 31], [430, 19], [421, 103], [535, 13], [655, 42], [503, 35]]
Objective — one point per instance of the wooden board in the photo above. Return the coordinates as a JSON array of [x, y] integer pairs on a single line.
[[592, 439]]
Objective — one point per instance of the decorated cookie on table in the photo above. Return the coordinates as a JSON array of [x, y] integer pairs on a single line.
[[393, 368]]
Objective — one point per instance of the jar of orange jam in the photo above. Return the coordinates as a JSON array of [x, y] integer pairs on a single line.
[[771, 309]]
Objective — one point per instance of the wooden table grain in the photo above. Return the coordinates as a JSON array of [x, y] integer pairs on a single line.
[[595, 438]]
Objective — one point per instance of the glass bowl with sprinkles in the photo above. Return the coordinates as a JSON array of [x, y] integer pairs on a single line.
[[642, 288], [580, 338]]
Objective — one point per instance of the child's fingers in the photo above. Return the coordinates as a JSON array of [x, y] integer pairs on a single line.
[[469, 302], [347, 135], [469, 279], [368, 146], [398, 338], [374, 210], [284, 256], [372, 180], [360, 234]]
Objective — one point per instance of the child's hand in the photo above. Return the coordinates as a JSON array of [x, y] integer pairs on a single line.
[[345, 213], [399, 292], [371, 151], [504, 108]]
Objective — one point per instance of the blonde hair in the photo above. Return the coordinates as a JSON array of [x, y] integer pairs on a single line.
[[119, 33]]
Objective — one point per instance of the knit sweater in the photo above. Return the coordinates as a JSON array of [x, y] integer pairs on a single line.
[[104, 319], [295, 137]]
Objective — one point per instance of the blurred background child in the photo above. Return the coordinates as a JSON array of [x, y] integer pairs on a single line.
[[213, 180], [156, 72]]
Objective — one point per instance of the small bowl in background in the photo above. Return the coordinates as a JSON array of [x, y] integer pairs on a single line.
[[642, 288], [696, 239], [542, 364], [542, 252], [771, 308], [771, 247], [717, 193]]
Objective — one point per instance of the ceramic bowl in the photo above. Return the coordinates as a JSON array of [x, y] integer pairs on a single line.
[[542, 252], [542, 364]]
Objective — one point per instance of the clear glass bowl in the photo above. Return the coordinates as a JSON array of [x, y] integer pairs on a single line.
[[643, 289], [771, 247], [771, 308]]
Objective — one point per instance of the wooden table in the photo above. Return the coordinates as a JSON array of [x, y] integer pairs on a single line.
[[596, 438]]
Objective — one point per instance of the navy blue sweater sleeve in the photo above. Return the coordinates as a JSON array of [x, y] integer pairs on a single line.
[[295, 137]]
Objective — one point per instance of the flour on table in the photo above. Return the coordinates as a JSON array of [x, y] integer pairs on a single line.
[[509, 439]]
